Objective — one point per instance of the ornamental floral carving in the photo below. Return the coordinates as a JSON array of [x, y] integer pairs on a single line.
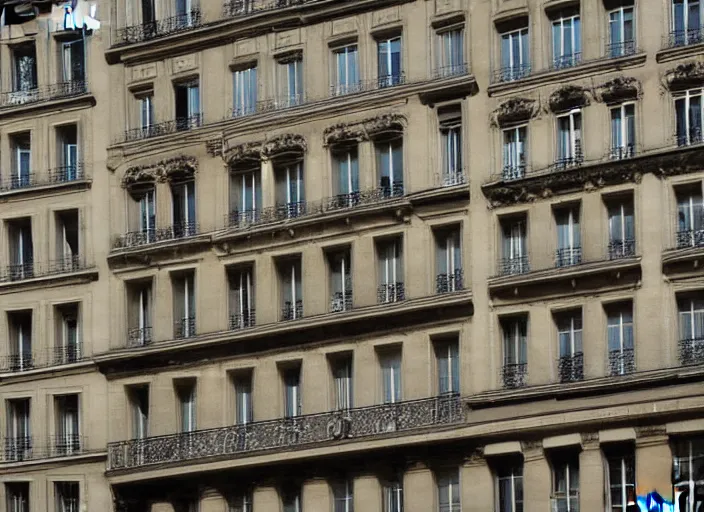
[[386, 123], [568, 97], [684, 76], [364, 130], [286, 143], [514, 110], [180, 166], [248, 151], [622, 88]]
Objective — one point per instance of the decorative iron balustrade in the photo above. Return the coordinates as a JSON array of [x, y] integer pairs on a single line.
[[246, 318], [449, 282], [390, 292], [569, 162], [139, 337], [566, 61], [341, 301], [185, 327], [513, 265], [151, 236], [67, 444], [691, 351], [686, 37], [20, 449], [622, 249], [450, 70], [287, 433], [452, 178], [56, 176], [510, 73], [68, 354], [56, 356], [236, 8], [621, 49], [17, 449], [291, 310], [568, 256], [268, 105], [622, 152], [164, 128], [46, 93], [513, 172], [622, 362], [514, 375], [690, 238], [571, 368], [18, 362], [159, 28], [32, 269], [689, 138], [367, 85]]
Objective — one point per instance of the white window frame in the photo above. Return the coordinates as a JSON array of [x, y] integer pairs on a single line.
[[515, 70], [240, 82], [514, 337], [389, 369], [685, 9], [622, 10], [512, 477], [146, 111], [572, 332], [188, 409], [625, 147], [514, 147], [576, 55], [623, 485], [687, 96], [446, 58], [349, 54], [393, 496], [345, 503], [568, 496], [572, 130]]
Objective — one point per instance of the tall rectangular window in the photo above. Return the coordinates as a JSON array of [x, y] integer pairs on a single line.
[[569, 239], [25, 67], [290, 81], [186, 393], [21, 248], [346, 70], [18, 433], [623, 131], [622, 231], [515, 351], [687, 462], [686, 22], [138, 397], [448, 483], [346, 177], [450, 120], [183, 208], [290, 190], [245, 197], [291, 499], [242, 502], [390, 270], [68, 496], [68, 433], [569, 334], [688, 117], [146, 220], [241, 299], [244, 91], [447, 358], [20, 331], [389, 165], [620, 479], [73, 72], [619, 321], [390, 362], [448, 260], [565, 482], [514, 250], [341, 366], [450, 53], [622, 40], [290, 273], [515, 56], [242, 383], [569, 139], [17, 496], [515, 150], [566, 40], [67, 340], [188, 111], [389, 65], [509, 486], [185, 16], [691, 327], [392, 494], [340, 265], [343, 496], [69, 168], [292, 391], [184, 304], [22, 160], [145, 103], [690, 217], [139, 314]]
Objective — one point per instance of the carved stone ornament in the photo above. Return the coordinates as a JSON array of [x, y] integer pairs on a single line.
[[286, 143], [364, 130], [180, 166], [686, 75], [214, 147], [246, 152], [568, 97], [620, 89], [514, 110], [651, 431]]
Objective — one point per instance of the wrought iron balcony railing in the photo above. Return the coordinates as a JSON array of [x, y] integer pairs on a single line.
[[566, 61], [390, 292], [691, 137], [46, 93], [242, 320], [452, 178], [19, 449], [139, 336], [514, 265], [568, 162], [341, 301], [449, 282], [291, 210], [291, 310], [67, 444], [513, 375], [621, 49], [511, 73], [513, 172], [622, 249], [691, 351], [450, 70], [287, 433], [690, 238], [56, 176], [622, 152], [368, 85], [684, 37], [165, 128], [32, 269], [68, 354], [56, 356], [571, 368], [236, 8], [18, 362], [185, 327], [151, 236], [568, 256], [622, 362], [159, 28]]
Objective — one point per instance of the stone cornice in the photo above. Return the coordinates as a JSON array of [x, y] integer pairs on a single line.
[[365, 129], [591, 176], [284, 144], [242, 153], [679, 52], [686, 75], [176, 167], [619, 89], [568, 97], [515, 110]]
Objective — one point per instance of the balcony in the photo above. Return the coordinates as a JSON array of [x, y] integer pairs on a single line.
[[451, 282], [566, 61], [54, 357], [165, 128], [390, 292], [236, 8], [55, 177], [691, 351], [622, 362], [291, 310], [690, 238], [31, 269], [571, 368], [513, 265], [452, 179], [450, 70], [139, 336], [159, 28], [688, 37], [510, 74], [621, 49], [689, 138], [513, 172], [568, 256], [513, 375], [622, 249], [246, 318], [56, 91], [134, 239], [341, 301], [21, 449], [185, 328], [568, 162], [622, 152], [287, 433], [367, 85]]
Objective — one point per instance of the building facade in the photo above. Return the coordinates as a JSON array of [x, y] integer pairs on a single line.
[[383, 255]]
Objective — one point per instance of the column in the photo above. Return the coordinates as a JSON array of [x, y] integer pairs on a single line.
[[268, 184], [477, 484], [536, 478], [367, 493], [212, 501], [314, 279], [316, 496], [163, 506], [315, 383], [364, 272], [265, 499], [653, 462], [419, 489], [162, 304], [267, 301], [417, 260], [591, 471]]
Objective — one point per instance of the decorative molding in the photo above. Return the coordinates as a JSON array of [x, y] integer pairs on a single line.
[[514, 110], [214, 147], [590, 438], [618, 90], [568, 97], [286, 143], [686, 75], [181, 166], [531, 445], [364, 130], [246, 152], [651, 431]]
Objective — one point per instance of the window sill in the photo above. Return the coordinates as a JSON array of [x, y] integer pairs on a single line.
[[679, 52]]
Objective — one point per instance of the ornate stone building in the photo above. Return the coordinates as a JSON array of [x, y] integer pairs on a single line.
[[383, 255]]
